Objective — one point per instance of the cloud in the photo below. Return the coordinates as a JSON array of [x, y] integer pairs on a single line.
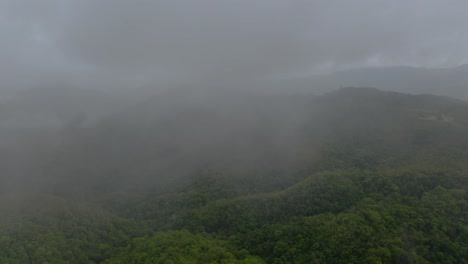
[[185, 41]]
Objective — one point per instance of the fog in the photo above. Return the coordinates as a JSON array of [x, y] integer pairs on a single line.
[[233, 131], [217, 44], [126, 91]]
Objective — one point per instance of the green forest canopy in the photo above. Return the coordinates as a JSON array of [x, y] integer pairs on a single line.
[[359, 176]]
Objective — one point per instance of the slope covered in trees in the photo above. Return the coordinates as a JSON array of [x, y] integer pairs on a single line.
[[354, 176]]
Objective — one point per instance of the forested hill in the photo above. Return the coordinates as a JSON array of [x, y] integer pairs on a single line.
[[451, 81], [260, 142], [354, 176]]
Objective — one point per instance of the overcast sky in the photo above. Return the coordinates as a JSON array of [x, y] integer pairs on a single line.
[[137, 42]]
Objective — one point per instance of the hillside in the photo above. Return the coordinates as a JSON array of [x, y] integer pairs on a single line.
[[265, 142], [358, 175]]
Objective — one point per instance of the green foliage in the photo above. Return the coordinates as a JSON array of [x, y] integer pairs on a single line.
[[357, 188], [179, 247], [356, 216]]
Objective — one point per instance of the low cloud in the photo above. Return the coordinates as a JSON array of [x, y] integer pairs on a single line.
[[131, 43]]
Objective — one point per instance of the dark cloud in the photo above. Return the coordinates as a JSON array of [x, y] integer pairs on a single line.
[[121, 42]]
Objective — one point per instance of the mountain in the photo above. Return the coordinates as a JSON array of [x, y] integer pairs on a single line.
[[451, 82], [355, 175]]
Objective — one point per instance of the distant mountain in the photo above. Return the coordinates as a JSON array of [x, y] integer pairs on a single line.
[[451, 82]]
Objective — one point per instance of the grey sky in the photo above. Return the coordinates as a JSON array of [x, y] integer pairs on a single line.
[[138, 42]]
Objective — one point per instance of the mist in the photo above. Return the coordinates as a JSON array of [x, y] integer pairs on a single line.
[[219, 44], [175, 87], [247, 131]]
